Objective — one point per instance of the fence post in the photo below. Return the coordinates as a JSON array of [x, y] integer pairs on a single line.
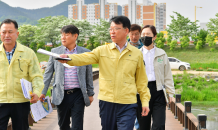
[[188, 105], [168, 106], [202, 118], [177, 100]]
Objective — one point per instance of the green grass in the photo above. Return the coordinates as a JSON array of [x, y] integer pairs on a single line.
[[196, 88], [49, 92], [42, 57], [204, 103], [95, 65], [193, 56]]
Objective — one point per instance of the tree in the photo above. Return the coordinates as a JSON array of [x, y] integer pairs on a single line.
[[213, 25], [85, 29], [160, 40], [201, 35], [33, 46], [199, 45], [26, 34], [101, 32], [91, 44], [211, 41], [173, 44], [169, 39], [184, 41], [48, 29], [181, 27]]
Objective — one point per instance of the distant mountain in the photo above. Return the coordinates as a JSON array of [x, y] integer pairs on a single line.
[[30, 16]]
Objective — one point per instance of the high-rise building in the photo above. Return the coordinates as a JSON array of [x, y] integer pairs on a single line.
[[146, 13], [92, 12]]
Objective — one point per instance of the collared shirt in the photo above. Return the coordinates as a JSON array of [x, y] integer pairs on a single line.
[[71, 77], [10, 54], [121, 49], [148, 56]]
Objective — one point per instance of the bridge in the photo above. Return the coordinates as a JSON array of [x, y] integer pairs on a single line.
[[178, 117]]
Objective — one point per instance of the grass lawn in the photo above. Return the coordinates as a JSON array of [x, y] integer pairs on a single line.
[[192, 55], [42, 57]]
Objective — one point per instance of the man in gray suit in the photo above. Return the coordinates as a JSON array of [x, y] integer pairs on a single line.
[[73, 85]]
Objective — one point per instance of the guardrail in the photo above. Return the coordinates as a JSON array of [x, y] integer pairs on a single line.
[[184, 115], [30, 119]]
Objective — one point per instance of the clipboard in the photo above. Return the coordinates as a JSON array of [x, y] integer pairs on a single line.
[[165, 94]]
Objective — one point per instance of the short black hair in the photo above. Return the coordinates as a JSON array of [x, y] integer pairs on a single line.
[[121, 20], [8, 21], [70, 29], [135, 27]]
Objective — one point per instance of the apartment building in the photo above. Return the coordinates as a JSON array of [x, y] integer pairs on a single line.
[[92, 12], [146, 13]]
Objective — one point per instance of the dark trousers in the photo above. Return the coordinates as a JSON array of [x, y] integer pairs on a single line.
[[116, 116], [73, 106], [157, 106], [19, 115]]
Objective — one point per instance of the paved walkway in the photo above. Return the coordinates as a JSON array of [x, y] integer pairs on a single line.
[[92, 120]]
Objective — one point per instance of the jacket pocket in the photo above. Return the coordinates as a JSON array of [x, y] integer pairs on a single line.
[[106, 87], [3, 91], [129, 88], [18, 92], [20, 66], [129, 66]]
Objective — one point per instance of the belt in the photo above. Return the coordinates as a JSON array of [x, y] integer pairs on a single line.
[[70, 91]]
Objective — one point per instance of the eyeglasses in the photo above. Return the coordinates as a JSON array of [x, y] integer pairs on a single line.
[[113, 29]]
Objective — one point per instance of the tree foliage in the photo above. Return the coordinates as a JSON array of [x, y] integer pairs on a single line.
[[181, 26], [160, 40], [184, 41], [169, 39], [48, 29], [200, 36], [101, 32], [213, 25], [211, 41], [26, 34], [91, 44], [173, 44]]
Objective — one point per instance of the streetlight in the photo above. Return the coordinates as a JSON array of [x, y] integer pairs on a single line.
[[195, 12]]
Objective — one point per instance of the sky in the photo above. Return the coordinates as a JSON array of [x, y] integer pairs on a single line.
[[184, 7]]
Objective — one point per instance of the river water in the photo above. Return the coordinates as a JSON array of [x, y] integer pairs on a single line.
[[212, 116]]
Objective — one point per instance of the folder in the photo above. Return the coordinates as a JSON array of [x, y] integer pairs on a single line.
[[165, 94], [26, 88], [41, 109], [56, 56]]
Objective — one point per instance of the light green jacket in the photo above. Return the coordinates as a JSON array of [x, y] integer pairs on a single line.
[[121, 75], [24, 64]]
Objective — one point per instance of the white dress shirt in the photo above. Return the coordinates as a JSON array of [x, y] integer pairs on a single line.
[[148, 57]]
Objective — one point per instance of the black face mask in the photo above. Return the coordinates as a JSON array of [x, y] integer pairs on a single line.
[[146, 40]]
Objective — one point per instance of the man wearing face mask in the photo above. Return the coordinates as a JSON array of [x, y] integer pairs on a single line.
[[134, 36], [159, 74]]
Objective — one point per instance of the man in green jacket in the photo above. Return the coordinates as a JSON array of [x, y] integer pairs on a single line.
[[121, 76], [17, 62]]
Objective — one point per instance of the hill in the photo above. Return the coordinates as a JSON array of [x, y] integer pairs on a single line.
[[30, 16]]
